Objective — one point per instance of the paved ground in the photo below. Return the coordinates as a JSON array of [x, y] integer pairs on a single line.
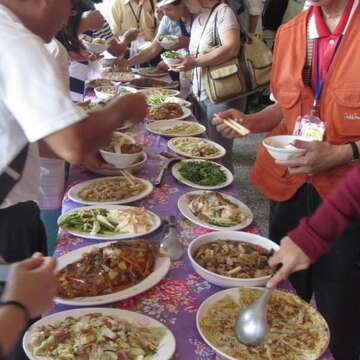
[[244, 156]]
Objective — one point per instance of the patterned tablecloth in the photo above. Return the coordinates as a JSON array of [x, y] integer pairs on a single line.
[[175, 300]]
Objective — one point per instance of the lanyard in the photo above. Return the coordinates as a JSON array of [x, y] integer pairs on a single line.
[[320, 82], [136, 16]]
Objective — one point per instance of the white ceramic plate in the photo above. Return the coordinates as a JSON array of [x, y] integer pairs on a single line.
[[119, 91], [165, 85], [240, 236], [178, 100], [74, 191], [155, 218], [235, 294], [117, 77], [175, 170], [117, 172], [183, 205], [140, 72], [161, 268], [154, 91], [158, 127], [164, 352], [186, 113], [221, 151]]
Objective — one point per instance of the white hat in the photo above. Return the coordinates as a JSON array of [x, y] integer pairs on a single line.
[[164, 2]]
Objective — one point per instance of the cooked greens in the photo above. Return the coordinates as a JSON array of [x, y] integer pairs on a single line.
[[155, 100], [171, 55], [204, 173]]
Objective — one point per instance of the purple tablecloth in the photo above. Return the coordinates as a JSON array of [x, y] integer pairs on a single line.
[[175, 300]]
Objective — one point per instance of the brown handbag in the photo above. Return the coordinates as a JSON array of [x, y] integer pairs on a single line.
[[246, 74]]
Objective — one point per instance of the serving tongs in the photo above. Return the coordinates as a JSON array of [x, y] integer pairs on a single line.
[[166, 159]]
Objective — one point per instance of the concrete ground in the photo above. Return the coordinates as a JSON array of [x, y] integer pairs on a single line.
[[244, 157]]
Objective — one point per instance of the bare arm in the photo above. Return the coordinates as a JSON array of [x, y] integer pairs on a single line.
[[145, 55], [253, 22], [229, 49], [265, 120], [45, 151], [117, 48], [76, 142], [262, 121], [32, 283], [12, 319]]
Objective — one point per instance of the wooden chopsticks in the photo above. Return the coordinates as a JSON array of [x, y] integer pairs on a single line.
[[241, 130]]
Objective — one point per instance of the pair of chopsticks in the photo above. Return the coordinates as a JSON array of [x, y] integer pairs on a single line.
[[241, 130], [129, 177]]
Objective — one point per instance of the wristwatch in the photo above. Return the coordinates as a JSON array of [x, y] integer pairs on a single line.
[[355, 150]]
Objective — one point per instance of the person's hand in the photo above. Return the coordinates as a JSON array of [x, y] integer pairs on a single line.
[[158, 15], [319, 156], [161, 67], [93, 20], [136, 107], [224, 130], [121, 64], [94, 161], [32, 282], [130, 35], [181, 42], [84, 55], [292, 259], [186, 64]]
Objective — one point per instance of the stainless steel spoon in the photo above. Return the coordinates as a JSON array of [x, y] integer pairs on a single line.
[[251, 326], [167, 159]]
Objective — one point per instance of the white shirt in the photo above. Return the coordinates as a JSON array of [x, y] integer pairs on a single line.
[[253, 8], [205, 42], [59, 53], [33, 102]]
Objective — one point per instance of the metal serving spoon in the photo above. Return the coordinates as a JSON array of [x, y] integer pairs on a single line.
[[251, 326], [167, 159]]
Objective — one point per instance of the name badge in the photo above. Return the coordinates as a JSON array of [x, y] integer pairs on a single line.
[[310, 126]]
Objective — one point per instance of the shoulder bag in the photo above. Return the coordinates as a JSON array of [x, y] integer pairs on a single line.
[[241, 76]]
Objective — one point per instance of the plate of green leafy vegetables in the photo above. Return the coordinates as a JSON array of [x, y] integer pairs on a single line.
[[202, 174]]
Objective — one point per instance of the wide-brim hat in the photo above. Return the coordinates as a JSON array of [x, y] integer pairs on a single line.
[[164, 2]]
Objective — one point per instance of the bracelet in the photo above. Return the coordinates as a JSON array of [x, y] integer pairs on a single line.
[[355, 150], [20, 306]]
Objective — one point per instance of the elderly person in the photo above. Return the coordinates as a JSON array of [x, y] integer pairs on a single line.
[[316, 57], [176, 21], [124, 15], [215, 39], [41, 110]]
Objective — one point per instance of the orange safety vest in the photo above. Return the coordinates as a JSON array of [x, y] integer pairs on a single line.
[[339, 105]]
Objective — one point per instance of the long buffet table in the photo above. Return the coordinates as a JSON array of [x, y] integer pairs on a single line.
[[175, 300]]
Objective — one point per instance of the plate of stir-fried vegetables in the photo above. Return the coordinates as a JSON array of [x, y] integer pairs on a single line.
[[108, 272], [109, 222], [98, 334]]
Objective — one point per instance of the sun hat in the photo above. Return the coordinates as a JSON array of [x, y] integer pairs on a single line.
[[161, 3]]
